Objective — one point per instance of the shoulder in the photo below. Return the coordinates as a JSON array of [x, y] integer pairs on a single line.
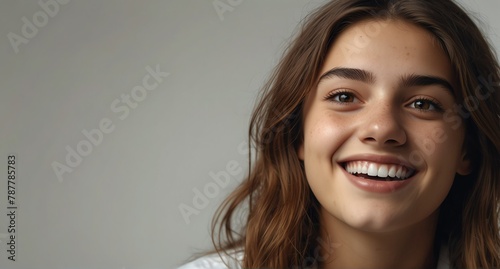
[[216, 261]]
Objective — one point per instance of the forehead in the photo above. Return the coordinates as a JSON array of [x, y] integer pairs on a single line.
[[389, 47]]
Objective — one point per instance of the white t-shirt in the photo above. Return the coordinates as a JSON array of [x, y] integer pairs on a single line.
[[214, 261]]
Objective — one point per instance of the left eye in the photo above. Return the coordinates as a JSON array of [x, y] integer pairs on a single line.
[[426, 105]]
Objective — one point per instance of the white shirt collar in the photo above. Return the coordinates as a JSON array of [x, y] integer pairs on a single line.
[[214, 261]]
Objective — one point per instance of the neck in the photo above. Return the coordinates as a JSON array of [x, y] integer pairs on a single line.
[[409, 247]]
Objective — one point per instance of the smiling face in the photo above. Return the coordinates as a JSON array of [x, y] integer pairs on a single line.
[[379, 153]]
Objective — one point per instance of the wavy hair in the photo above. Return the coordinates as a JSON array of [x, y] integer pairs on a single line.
[[281, 226]]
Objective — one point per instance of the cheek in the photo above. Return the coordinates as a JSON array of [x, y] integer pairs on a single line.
[[440, 147], [324, 134]]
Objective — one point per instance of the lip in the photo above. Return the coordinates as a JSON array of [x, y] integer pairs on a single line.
[[377, 186]]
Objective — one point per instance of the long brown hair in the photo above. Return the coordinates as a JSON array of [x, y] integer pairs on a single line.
[[281, 226]]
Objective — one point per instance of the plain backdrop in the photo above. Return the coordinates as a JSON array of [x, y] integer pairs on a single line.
[[117, 204]]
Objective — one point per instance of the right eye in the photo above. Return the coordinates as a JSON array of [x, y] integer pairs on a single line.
[[341, 96]]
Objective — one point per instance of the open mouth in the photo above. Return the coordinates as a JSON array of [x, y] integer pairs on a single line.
[[378, 171]]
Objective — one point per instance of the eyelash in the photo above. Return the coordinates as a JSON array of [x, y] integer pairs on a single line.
[[331, 96], [432, 102]]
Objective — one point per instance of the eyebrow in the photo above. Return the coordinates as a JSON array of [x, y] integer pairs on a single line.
[[349, 73], [421, 80], [407, 81]]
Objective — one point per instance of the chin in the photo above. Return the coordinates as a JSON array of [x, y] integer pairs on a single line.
[[372, 220], [372, 225]]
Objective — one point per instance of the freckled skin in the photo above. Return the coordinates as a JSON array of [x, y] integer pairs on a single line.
[[383, 121]]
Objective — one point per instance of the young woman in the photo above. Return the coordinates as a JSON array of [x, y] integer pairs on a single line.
[[377, 146]]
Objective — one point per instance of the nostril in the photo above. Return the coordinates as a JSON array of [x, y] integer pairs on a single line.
[[391, 141], [383, 135], [386, 142]]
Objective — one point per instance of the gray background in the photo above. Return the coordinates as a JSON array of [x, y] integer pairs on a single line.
[[119, 208]]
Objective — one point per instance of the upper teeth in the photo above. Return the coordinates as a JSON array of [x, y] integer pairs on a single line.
[[378, 170]]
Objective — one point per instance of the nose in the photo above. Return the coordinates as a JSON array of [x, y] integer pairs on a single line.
[[382, 127]]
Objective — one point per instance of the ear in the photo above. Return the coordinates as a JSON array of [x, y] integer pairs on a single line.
[[464, 166], [300, 151]]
